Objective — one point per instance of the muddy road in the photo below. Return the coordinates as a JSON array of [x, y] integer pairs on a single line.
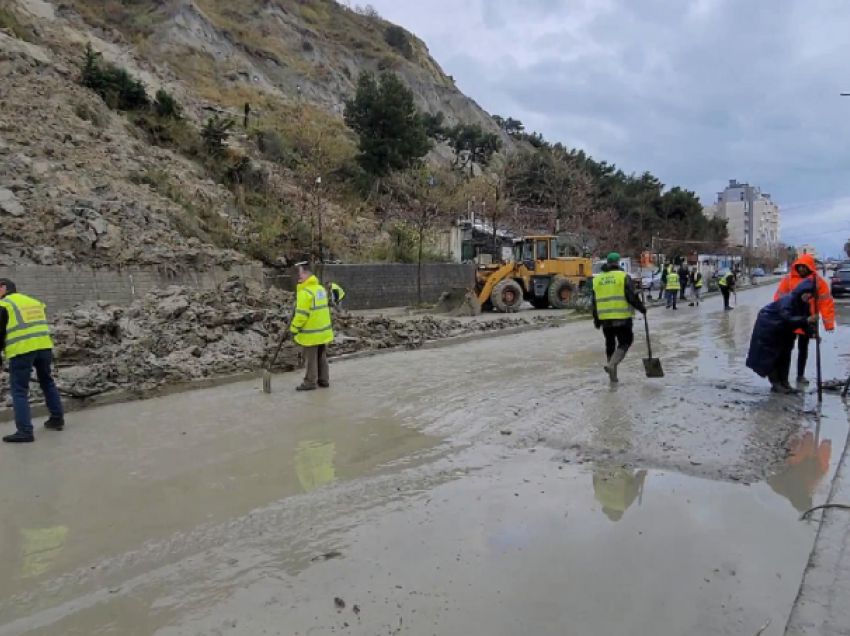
[[489, 488]]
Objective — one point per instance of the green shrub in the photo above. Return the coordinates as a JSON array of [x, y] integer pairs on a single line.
[[166, 107], [214, 135], [398, 39], [119, 89]]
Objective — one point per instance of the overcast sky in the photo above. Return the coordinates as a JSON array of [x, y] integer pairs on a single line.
[[696, 91]]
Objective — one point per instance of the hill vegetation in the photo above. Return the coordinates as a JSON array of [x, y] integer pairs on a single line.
[[330, 133]]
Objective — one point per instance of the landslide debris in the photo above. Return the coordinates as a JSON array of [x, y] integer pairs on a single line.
[[177, 334]]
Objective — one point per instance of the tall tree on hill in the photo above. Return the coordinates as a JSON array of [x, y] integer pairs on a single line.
[[391, 132]]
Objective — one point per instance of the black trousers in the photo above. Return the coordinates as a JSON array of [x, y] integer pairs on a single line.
[[725, 292], [783, 363], [802, 354], [620, 337]]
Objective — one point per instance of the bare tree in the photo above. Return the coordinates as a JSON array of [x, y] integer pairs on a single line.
[[494, 189], [424, 200], [585, 221]]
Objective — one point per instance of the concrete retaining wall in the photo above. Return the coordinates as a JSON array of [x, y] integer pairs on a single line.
[[381, 285], [63, 287]]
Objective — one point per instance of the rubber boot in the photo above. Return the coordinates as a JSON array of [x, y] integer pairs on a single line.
[[802, 380], [611, 367], [788, 388]]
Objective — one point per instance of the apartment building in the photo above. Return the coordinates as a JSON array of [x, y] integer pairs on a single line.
[[752, 217], [807, 248]]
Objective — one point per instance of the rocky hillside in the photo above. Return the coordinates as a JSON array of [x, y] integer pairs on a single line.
[[79, 183]]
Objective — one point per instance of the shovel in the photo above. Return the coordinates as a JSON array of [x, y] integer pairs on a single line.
[[650, 364], [267, 372]]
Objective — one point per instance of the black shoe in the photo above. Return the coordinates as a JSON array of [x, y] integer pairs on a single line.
[[304, 387], [19, 438], [788, 388], [324, 385], [55, 424]]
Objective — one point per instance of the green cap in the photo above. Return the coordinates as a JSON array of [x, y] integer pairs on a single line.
[[613, 257]]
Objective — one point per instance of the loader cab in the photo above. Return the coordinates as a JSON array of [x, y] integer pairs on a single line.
[[531, 249]]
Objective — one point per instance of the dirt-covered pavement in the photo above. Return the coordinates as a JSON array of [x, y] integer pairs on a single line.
[[492, 487], [177, 335]]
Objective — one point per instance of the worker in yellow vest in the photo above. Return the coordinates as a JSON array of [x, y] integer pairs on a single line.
[[671, 291], [696, 281], [26, 344], [614, 304], [336, 294], [311, 326]]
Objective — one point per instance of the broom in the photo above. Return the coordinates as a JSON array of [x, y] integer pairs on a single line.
[[267, 372]]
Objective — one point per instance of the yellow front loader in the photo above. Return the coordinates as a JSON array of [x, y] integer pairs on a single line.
[[536, 275]]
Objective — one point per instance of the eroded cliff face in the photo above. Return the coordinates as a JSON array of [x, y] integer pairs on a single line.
[[79, 183]]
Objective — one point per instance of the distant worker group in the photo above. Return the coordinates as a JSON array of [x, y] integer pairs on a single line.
[[615, 301]]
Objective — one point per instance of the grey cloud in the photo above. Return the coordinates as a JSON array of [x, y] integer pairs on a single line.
[[748, 91]]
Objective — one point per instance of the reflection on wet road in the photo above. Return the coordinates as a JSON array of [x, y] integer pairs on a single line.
[[484, 488]]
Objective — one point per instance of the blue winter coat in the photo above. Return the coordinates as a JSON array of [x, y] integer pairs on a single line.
[[774, 328]]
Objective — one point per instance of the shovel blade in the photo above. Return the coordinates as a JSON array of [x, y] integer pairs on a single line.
[[267, 382], [653, 369]]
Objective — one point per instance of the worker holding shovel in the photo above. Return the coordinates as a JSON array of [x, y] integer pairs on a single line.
[[614, 304], [312, 329]]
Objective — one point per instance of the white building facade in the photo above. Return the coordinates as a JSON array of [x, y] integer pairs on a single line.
[[752, 217]]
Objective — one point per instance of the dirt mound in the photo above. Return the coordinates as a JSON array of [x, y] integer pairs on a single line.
[[178, 334]]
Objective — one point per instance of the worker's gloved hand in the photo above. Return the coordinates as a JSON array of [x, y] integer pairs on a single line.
[[597, 324], [813, 320], [643, 311]]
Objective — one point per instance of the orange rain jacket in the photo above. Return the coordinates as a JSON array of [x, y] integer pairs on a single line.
[[826, 308]]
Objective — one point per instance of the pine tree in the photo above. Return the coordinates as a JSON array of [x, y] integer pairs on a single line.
[[391, 131]]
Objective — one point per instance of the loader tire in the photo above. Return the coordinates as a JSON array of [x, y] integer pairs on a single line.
[[561, 292], [506, 296]]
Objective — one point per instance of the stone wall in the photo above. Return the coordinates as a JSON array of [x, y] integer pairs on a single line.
[[381, 285], [63, 287]]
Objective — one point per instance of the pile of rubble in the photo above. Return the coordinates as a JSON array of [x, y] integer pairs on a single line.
[[178, 334]]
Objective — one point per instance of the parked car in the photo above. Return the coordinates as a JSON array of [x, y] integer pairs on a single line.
[[757, 271], [778, 271], [841, 283]]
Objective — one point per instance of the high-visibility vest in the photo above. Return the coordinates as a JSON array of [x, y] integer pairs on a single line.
[[672, 281], [723, 282], [697, 280], [609, 289], [26, 326], [337, 288], [311, 323]]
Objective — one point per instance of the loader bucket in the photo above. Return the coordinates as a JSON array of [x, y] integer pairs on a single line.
[[458, 301]]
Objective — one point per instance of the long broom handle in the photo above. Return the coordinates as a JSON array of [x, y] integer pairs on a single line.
[[817, 341]]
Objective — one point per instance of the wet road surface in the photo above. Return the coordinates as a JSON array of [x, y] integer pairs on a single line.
[[486, 488]]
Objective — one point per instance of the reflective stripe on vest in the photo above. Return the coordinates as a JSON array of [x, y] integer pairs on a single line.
[[609, 289], [337, 288], [26, 327], [698, 281], [723, 282], [672, 281]]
